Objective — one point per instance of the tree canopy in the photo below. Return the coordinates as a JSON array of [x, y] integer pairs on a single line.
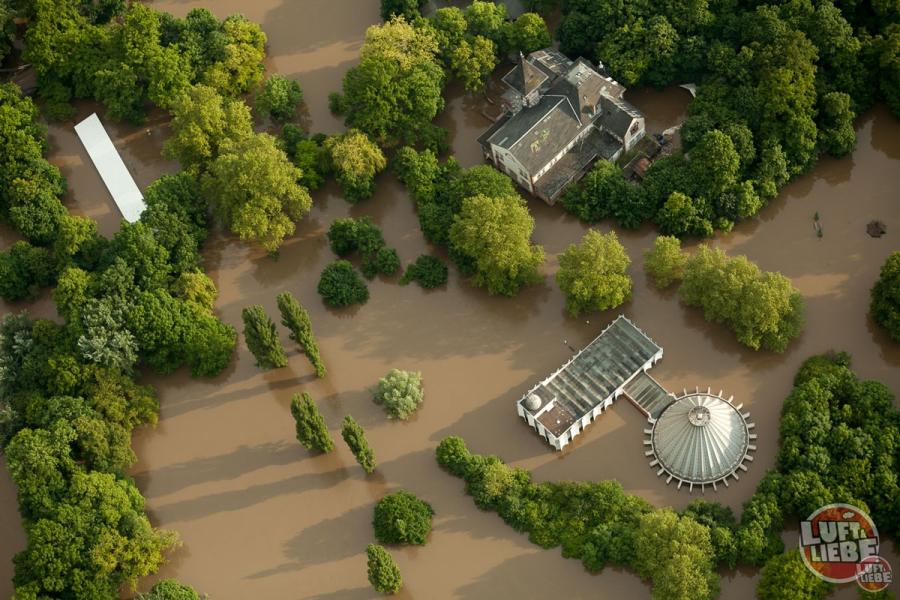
[[400, 392], [885, 305], [593, 274], [402, 518], [252, 187]]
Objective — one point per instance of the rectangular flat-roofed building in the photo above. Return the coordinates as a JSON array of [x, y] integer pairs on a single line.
[[563, 404], [124, 191]]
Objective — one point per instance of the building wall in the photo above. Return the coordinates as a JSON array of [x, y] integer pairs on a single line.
[[632, 138], [578, 426], [506, 162]]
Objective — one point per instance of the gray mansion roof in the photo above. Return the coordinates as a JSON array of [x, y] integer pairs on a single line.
[[591, 376], [572, 96]]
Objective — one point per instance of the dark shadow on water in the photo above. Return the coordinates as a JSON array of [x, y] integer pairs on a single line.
[[223, 467], [204, 506]]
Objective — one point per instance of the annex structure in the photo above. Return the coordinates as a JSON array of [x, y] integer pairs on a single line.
[[559, 116], [698, 439]]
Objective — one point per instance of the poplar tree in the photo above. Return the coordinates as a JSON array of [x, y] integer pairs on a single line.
[[356, 440], [262, 338], [383, 572], [296, 319], [311, 429]]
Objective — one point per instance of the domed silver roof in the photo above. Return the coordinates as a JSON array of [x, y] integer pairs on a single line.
[[533, 402], [701, 439]]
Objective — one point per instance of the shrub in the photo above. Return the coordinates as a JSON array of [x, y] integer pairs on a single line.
[[341, 286], [400, 392], [296, 319], [885, 304], [262, 338], [428, 271], [387, 261], [169, 589], [402, 518], [311, 429], [356, 440], [452, 454], [349, 235], [279, 98], [664, 263], [383, 572]]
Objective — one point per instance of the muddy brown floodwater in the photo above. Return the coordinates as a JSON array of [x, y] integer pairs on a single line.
[[260, 517]]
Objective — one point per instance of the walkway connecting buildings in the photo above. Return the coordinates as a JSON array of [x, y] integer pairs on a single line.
[[697, 439]]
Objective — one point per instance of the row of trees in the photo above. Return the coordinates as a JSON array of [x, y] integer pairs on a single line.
[[30, 189], [837, 445], [597, 523], [778, 84], [262, 336], [478, 215], [762, 308]]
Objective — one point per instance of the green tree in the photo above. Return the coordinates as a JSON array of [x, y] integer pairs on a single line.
[[296, 319], [240, 66], [400, 392], [202, 121], [262, 338], [473, 62], [714, 163], [395, 91], [494, 233], [676, 554], [409, 9], [763, 309], [529, 33], [487, 19], [196, 287], [402, 518], [356, 440], [340, 285], [24, 270], [785, 576], [885, 295], [664, 262], [106, 341], [279, 98], [252, 187], [429, 271], [170, 589], [836, 134], [311, 429], [593, 274], [682, 215], [383, 572], [355, 160]]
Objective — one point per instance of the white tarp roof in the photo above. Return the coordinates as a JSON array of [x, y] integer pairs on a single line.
[[112, 170]]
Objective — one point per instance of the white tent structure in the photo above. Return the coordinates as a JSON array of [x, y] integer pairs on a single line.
[[112, 170]]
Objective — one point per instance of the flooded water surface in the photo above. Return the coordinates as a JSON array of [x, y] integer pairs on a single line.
[[260, 517]]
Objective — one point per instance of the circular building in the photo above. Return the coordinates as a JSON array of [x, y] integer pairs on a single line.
[[701, 439]]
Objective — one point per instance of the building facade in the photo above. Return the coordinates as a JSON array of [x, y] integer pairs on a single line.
[[559, 117]]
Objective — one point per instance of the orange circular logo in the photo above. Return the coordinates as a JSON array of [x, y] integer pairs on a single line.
[[874, 574], [835, 539]]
